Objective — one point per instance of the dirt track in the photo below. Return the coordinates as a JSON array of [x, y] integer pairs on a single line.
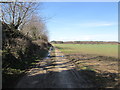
[[57, 72]]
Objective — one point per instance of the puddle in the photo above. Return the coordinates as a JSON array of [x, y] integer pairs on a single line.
[[59, 56], [52, 56], [48, 56]]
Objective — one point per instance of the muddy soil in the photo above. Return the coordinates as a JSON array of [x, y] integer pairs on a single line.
[[56, 72], [105, 68]]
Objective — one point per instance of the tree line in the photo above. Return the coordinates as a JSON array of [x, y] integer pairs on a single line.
[[24, 39], [21, 16]]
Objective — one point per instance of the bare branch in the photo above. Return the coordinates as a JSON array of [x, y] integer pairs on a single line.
[[16, 13], [36, 28]]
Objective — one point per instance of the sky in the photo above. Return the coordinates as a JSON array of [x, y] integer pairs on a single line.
[[81, 21]]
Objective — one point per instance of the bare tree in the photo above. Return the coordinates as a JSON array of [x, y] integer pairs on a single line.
[[16, 14], [36, 28]]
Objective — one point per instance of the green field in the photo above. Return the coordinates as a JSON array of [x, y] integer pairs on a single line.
[[96, 49]]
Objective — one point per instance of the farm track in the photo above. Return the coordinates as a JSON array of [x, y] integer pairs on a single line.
[[56, 72]]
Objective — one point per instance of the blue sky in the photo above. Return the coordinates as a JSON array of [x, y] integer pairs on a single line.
[[81, 21]]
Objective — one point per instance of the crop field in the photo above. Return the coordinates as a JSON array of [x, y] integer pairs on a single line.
[[95, 49], [98, 58]]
